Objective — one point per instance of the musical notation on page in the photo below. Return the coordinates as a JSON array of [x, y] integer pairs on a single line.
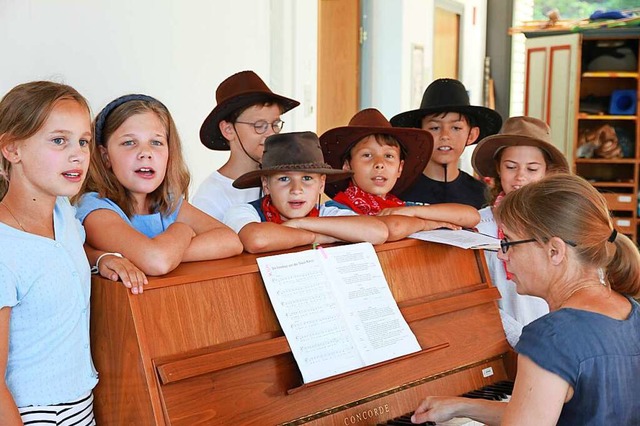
[[336, 309]]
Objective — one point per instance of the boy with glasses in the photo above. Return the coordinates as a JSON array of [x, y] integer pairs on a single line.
[[247, 112]]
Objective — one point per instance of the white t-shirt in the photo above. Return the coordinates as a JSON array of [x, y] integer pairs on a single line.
[[243, 214], [216, 194], [516, 310]]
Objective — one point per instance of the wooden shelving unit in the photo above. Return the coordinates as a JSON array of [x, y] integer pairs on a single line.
[[616, 178], [559, 77]]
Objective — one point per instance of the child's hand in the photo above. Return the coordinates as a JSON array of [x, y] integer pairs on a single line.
[[115, 268], [434, 224]]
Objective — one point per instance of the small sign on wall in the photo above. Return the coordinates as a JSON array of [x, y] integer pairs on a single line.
[[417, 74]]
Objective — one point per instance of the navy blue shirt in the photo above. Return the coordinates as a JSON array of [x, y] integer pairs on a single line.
[[597, 355], [464, 189]]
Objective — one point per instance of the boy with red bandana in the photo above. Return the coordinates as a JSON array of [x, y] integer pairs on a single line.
[[293, 176], [385, 161]]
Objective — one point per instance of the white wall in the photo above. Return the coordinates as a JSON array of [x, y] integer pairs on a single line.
[[474, 42], [522, 11], [385, 47], [418, 24], [394, 27], [177, 51]]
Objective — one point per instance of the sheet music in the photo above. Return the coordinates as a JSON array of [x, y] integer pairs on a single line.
[[460, 238], [336, 309]]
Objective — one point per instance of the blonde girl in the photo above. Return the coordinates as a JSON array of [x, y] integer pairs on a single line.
[[520, 154], [136, 204], [46, 372]]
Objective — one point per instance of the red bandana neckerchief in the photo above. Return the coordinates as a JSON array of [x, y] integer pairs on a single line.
[[272, 214], [501, 232], [365, 203]]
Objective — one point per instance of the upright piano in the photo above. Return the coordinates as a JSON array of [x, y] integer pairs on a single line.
[[202, 345]]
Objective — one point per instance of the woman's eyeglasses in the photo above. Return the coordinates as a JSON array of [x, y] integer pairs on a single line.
[[262, 126], [505, 244]]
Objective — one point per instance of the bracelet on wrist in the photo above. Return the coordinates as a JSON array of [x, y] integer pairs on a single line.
[[95, 269]]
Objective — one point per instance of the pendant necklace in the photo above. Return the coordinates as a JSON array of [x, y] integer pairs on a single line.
[[13, 216]]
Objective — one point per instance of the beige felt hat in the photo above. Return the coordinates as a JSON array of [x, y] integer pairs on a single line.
[[517, 131]]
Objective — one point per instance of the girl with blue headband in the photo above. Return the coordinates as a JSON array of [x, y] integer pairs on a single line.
[[136, 202]]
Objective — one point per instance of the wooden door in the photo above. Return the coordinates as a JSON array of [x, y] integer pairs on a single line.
[[446, 44], [338, 62], [550, 86]]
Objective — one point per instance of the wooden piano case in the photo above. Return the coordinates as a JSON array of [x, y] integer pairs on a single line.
[[202, 345]]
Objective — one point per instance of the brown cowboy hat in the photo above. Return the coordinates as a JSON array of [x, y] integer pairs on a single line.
[[517, 131], [239, 91], [291, 152], [416, 144], [449, 95]]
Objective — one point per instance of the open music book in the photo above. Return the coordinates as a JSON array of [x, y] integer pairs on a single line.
[[336, 309], [460, 238]]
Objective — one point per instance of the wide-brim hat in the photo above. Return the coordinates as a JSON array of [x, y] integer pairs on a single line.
[[449, 95], [239, 91], [517, 131], [291, 152], [416, 144]]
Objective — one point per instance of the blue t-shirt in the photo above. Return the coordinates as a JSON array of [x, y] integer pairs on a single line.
[[47, 284], [597, 355], [150, 225]]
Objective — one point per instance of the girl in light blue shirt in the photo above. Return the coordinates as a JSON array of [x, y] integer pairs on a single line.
[[137, 188], [46, 371]]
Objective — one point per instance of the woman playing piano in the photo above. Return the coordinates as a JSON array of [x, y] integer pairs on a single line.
[[576, 365]]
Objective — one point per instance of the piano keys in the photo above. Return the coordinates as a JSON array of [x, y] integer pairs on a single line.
[[500, 391], [202, 345]]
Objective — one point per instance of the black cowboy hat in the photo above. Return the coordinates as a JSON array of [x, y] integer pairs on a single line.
[[449, 95], [291, 152], [416, 144], [241, 90]]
